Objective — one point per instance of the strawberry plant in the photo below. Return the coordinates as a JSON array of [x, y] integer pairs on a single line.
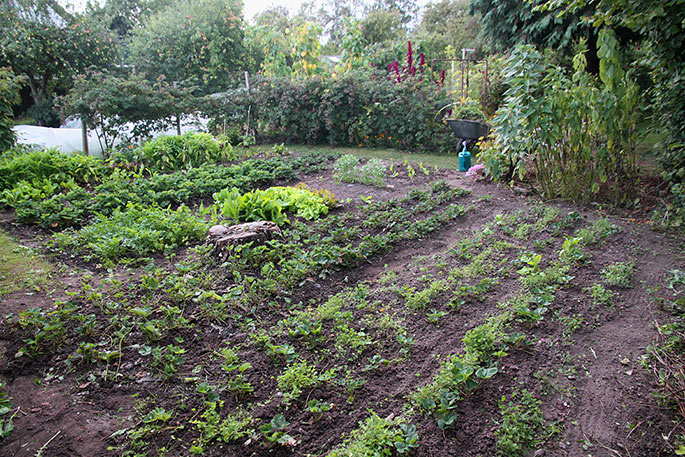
[[274, 434], [134, 232], [6, 420]]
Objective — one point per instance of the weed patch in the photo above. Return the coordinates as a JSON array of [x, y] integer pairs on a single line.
[[19, 267]]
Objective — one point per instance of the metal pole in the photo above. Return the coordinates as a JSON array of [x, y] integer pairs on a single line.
[[461, 92], [249, 107], [178, 116], [84, 137]]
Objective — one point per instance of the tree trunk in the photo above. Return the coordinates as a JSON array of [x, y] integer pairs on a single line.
[[591, 56]]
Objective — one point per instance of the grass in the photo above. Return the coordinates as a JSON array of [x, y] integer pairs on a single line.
[[449, 161], [19, 267]]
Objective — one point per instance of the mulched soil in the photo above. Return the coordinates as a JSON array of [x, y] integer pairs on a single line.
[[591, 382]]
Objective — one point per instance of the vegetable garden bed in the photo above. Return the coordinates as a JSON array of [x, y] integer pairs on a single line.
[[430, 314]]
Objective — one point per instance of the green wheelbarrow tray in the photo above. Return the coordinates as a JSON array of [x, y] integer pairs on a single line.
[[468, 130]]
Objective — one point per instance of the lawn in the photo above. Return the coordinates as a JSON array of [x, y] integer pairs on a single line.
[[422, 313]]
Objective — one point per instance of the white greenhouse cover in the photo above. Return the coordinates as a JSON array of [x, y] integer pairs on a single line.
[[68, 138]]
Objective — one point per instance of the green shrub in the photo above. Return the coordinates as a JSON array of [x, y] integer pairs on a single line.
[[22, 165], [134, 233], [577, 131], [171, 153], [359, 108], [347, 169]]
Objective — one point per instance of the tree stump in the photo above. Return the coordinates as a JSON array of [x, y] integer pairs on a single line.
[[222, 237]]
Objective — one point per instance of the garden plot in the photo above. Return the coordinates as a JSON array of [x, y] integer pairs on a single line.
[[427, 314]]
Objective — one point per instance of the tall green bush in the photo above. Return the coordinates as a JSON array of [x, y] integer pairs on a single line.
[[577, 132]]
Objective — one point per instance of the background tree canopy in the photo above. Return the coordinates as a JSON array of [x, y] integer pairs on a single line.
[[200, 40], [49, 47]]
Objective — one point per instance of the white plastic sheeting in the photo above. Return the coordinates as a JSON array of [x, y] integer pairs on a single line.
[[64, 139], [68, 138]]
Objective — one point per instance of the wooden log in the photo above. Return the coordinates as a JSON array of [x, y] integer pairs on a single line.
[[222, 236]]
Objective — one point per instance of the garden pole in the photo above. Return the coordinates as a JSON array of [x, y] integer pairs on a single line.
[[247, 85], [84, 137], [178, 116]]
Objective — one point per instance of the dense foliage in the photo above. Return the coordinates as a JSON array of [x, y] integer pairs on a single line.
[[198, 40], [578, 132], [71, 205], [23, 165], [356, 109], [49, 49], [135, 232], [9, 96]]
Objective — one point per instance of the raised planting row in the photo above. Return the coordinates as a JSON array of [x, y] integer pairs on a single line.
[[57, 191]]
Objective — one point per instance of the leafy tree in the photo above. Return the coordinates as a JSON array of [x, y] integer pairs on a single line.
[[9, 95], [407, 9], [277, 18], [293, 52], [354, 47], [381, 26], [275, 48], [506, 23], [123, 16], [306, 49], [192, 39], [48, 48], [447, 23], [332, 16], [108, 102]]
